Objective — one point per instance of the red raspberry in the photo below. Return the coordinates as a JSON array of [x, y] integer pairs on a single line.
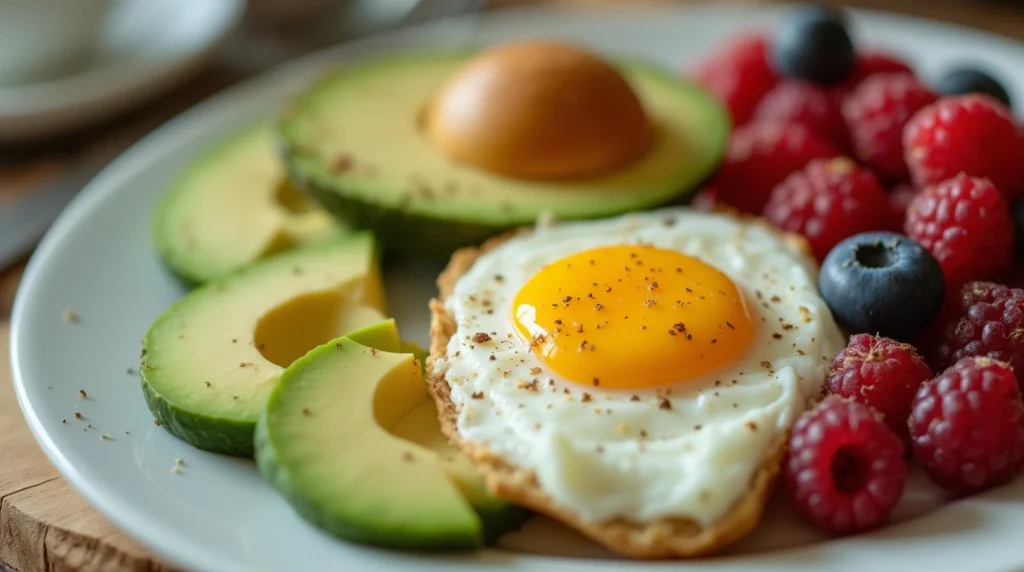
[[869, 63], [845, 468], [882, 373], [900, 197], [967, 426], [972, 134], [965, 223], [828, 201], [759, 157], [807, 104], [980, 319], [739, 75], [875, 114]]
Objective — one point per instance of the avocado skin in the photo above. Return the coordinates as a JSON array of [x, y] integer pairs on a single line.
[[233, 438], [412, 235], [498, 520]]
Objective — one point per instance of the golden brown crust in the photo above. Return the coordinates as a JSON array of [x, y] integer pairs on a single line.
[[663, 538]]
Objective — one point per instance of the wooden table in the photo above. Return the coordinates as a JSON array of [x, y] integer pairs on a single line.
[[44, 526]]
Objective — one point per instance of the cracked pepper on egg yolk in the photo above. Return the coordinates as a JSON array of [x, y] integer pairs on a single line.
[[632, 317]]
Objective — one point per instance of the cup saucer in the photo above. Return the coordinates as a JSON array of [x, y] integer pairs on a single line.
[[145, 49]]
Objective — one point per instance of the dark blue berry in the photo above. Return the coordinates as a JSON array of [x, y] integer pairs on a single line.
[[961, 81], [882, 283], [813, 45], [1017, 215]]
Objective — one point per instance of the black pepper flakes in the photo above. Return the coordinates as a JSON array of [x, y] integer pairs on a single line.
[[305, 411], [586, 397], [665, 404], [730, 326], [596, 382], [477, 395], [777, 336], [481, 338], [634, 398], [766, 364], [78, 415]]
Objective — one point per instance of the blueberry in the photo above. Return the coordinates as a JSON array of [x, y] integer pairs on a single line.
[[964, 80], [882, 283], [813, 45], [1017, 215]]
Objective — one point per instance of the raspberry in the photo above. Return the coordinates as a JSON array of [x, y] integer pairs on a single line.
[[759, 157], [845, 468], [806, 104], [981, 319], [967, 426], [882, 373], [828, 201], [870, 63], [875, 114], [739, 75], [965, 223], [972, 134], [900, 197]]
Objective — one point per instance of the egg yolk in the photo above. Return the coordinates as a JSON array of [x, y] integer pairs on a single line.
[[632, 317]]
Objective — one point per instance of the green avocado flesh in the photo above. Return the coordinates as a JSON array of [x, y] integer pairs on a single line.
[[354, 140], [233, 206], [211, 360], [351, 439]]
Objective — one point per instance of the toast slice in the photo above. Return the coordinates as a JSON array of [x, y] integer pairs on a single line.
[[663, 538]]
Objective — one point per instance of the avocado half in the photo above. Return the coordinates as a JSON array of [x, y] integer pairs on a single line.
[[350, 437], [232, 206], [354, 140]]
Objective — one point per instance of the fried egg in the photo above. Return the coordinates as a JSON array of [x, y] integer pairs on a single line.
[[639, 366]]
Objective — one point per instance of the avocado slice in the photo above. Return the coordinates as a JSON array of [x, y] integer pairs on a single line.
[[388, 476], [354, 140], [210, 361], [233, 205]]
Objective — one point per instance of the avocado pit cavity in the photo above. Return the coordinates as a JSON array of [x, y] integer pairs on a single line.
[[539, 109]]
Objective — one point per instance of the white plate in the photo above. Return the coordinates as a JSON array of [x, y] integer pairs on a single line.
[[146, 47], [98, 261]]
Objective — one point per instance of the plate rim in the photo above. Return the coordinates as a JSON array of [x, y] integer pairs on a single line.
[[152, 537]]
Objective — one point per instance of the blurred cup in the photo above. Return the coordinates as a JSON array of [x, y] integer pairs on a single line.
[[45, 38]]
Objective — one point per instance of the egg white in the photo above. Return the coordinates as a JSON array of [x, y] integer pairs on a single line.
[[625, 454]]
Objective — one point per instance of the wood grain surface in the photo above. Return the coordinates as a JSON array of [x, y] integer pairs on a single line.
[[44, 525]]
